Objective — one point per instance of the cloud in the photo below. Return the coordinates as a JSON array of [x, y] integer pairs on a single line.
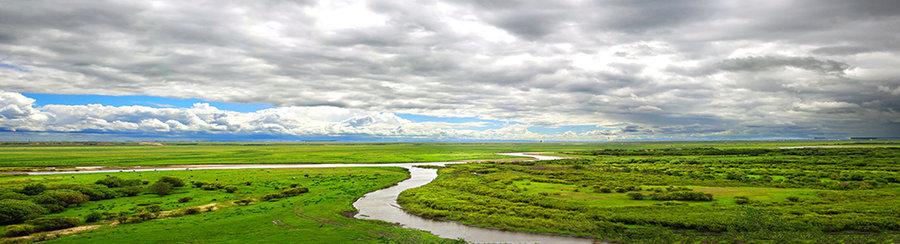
[[712, 67], [756, 64]]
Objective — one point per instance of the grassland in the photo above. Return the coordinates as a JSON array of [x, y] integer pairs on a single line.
[[316, 216], [635, 192], [659, 194], [71, 154]]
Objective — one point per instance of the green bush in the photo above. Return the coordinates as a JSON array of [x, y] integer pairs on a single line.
[[33, 189], [198, 184], [212, 186], [793, 199], [152, 208], [294, 191], [681, 196], [53, 223], [94, 217], [19, 230], [57, 200], [161, 188], [110, 181], [636, 196], [741, 200], [94, 192], [185, 199], [175, 182], [14, 211], [286, 193], [231, 189], [271, 197], [192, 210], [13, 195], [132, 182], [243, 202], [130, 191]]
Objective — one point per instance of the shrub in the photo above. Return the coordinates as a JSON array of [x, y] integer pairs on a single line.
[[175, 182], [132, 182], [294, 191], [602, 189], [185, 199], [741, 200], [110, 181], [198, 184], [161, 188], [192, 210], [636, 196], [94, 192], [286, 193], [19, 230], [294, 185], [231, 189], [93, 217], [53, 223], [153, 208], [681, 196], [63, 198], [144, 216], [793, 199], [213, 186], [243, 202], [248, 183], [33, 189], [271, 196], [17, 211], [13, 195], [130, 191]]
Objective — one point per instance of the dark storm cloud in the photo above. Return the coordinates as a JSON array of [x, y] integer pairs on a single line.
[[672, 67], [755, 64], [842, 50]]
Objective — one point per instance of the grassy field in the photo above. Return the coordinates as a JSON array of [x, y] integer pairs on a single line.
[[315, 216], [679, 193], [18, 155], [636, 192], [232, 153]]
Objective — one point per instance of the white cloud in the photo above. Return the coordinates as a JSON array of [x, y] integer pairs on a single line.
[[724, 66]]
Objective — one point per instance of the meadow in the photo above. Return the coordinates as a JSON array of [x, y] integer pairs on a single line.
[[17, 156], [679, 193], [631, 192], [241, 213]]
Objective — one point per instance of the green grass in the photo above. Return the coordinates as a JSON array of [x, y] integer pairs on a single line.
[[232, 153], [849, 194], [18, 155], [315, 216]]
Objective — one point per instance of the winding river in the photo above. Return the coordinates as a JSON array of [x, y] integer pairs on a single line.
[[382, 204]]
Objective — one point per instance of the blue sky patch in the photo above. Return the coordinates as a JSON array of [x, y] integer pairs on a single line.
[[13, 67], [148, 101], [491, 124], [564, 128]]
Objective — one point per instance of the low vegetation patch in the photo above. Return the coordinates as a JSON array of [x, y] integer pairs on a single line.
[[674, 195]]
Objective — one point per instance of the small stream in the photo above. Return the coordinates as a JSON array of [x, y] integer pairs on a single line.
[[382, 204]]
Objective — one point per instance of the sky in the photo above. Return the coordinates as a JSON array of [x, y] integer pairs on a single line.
[[449, 70]]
